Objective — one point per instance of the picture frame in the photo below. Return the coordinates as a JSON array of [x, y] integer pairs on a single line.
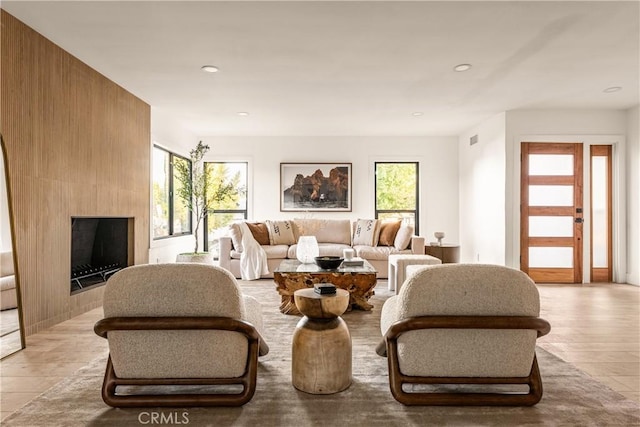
[[318, 187]]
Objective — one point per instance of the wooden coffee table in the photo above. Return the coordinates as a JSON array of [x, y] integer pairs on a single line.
[[292, 275]]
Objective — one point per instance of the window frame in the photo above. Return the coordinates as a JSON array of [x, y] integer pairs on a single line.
[[171, 203], [244, 212], [416, 211]]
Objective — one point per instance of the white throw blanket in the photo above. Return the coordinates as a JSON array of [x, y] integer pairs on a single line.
[[253, 259]]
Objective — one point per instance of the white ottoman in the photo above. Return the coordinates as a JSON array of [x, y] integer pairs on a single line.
[[398, 264]]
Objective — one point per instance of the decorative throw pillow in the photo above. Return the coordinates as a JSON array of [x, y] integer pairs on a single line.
[[281, 232], [236, 236], [260, 232], [403, 237], [366, 232], [388, 231]]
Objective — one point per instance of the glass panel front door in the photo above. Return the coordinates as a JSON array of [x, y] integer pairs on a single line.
[[551, 218]]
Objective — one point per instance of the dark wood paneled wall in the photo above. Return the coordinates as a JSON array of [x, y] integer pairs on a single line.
[[77, 145]]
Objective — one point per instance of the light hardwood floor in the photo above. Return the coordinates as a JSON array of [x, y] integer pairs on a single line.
[[594, 327]]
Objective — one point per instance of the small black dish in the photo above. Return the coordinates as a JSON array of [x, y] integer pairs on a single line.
[[328, 262]]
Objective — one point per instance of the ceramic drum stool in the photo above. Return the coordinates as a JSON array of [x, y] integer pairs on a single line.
[[321, 349]]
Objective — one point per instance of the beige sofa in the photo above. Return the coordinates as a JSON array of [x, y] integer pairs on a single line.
[[372, 240]]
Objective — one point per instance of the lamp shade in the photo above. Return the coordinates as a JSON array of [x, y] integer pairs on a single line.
[[307, 249]]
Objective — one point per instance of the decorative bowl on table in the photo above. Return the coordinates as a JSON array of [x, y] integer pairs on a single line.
[[328, 262]]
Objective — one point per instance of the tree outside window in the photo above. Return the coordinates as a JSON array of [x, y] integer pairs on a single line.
[[160, 214], [396, 190], [231, 208], [170, 216], [181, 212]]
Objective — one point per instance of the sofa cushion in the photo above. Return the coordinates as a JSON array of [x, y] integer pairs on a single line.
[[272, 251], [276, 251], [325, 249], [388, 232], [6, 264], [7, 282], [379, 253], [403, 237], [260, 232], [281, 232], [366, 232], [325, 230]]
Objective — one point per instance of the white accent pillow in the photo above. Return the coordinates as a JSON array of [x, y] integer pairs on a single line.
[[236, 236], [281, 232], [366, 232], [403, 237]]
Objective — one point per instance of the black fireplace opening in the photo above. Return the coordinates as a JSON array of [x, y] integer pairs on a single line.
[[99, 248]]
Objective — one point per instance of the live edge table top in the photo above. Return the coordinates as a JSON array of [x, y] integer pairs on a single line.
[[292, 275]]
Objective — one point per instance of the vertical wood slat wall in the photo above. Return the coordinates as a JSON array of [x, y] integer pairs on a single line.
[[77, 145]]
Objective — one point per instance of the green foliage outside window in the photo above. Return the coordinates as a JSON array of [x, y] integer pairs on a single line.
[[198, 188], [223, 176], [396, 186], [160, 193], [181, 214]]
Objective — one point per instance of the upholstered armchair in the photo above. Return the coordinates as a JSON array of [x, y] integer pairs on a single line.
[[175, 325], [459, 334]]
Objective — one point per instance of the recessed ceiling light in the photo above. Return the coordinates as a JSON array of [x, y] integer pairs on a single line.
[[243, 113], [210, 68], [417, 113], [612, 89], [462, 67]]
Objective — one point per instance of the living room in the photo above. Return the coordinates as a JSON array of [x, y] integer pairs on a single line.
[[470, 191]]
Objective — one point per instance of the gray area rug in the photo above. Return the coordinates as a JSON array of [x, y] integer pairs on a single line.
[[571, 398]]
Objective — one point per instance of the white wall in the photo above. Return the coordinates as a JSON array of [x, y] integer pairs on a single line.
[[587, 126], [633, 194], [438, 172], [482, 192], [166, 132]]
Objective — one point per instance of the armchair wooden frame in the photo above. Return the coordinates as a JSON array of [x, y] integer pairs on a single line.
[[389, 347], [257, 347]]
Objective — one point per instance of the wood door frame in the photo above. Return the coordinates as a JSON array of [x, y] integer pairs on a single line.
[[602, 274], [619, 168], [577, 181]]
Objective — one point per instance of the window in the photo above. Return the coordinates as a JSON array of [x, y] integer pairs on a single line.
[[396, 189], [171, 217], [228, 188]]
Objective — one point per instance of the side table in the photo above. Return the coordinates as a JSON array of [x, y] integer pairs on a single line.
[[321, 349], [447, 253]]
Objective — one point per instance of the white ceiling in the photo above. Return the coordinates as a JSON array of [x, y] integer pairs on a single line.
[[351, 68]]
